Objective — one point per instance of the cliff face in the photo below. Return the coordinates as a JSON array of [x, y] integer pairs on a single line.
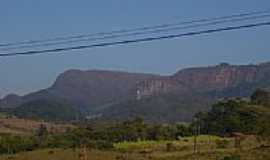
[[99, 90], [151, 87], [217, 77], [207, 79], [94, 88]]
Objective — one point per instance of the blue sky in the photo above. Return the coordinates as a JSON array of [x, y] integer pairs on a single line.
[[39, 19]]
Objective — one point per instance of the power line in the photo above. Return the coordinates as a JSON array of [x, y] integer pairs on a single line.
[[137, 40], [140, 33], [134, 29]]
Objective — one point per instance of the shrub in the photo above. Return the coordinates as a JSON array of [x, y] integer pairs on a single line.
[[170, 147], [100, 144], [222, 143], [232, 157]]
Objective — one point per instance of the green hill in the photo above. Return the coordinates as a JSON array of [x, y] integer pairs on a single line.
[[47, 110]]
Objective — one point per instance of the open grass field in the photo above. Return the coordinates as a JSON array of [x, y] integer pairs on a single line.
[[27, 126], [208, 149]]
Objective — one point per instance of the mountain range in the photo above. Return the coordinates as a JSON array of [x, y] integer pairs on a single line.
[[117, 95]]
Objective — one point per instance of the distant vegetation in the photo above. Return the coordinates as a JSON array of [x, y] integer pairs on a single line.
[[3, 114], [47, 110], [95, 136], [224, 119]]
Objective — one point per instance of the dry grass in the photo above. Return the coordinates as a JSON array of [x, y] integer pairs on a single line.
[[151, 150], [25, 126], [59, 154]]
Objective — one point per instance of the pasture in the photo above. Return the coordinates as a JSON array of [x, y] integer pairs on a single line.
[[208, 148]]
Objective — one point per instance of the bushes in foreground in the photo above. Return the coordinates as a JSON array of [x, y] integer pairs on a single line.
[[101, 138]]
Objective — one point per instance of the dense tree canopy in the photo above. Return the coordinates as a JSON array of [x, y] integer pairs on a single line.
[[237, 115], [261, 97]]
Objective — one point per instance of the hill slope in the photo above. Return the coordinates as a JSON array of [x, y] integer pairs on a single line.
[[47, 110], [119, 95]]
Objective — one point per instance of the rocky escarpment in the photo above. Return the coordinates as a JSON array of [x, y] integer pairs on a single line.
[[96, 91], [218, 77], [151, 87]]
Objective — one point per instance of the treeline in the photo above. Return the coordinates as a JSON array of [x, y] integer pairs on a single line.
[[238, 115], [45, 109], [94, 136]]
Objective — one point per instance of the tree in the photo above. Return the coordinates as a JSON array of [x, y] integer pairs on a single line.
[[42, 135], [263, 130], [260, 97], [227, 117]]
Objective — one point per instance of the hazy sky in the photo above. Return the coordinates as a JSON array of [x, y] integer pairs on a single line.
[[39, 19]]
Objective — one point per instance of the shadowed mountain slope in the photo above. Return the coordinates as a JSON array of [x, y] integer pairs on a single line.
[[121, 95]]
